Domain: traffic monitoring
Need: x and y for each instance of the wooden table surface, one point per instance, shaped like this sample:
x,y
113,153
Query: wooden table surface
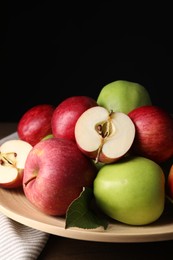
x,y
64,248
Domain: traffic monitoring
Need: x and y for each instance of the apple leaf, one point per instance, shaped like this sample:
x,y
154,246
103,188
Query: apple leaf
x,y
80,213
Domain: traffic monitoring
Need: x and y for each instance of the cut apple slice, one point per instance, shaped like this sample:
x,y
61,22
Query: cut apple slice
x,y
104,136
13,154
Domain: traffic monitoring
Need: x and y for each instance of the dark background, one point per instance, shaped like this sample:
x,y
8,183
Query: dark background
x,y
51,51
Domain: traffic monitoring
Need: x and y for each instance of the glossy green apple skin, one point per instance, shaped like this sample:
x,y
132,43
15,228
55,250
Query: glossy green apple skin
x,y
123,96
131,191
47,137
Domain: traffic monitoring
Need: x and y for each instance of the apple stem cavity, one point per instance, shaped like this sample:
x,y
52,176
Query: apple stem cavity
x,y
29,180
105,129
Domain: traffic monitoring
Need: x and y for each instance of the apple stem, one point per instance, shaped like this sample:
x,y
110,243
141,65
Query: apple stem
x,y
104,129
32,178
99,151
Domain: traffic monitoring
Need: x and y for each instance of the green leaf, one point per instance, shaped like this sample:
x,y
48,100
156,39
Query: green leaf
x,y
81,214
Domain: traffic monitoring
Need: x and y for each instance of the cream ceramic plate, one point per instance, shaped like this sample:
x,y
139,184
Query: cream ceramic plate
x,y
15,205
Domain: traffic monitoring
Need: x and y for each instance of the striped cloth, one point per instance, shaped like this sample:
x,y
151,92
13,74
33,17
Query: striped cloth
x,y
19,242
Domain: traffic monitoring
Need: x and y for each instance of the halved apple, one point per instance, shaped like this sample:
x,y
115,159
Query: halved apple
x,y
104,136
13,154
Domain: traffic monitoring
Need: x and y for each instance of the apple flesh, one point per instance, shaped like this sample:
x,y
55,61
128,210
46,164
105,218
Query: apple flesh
x,y
104,137
123,96
131,191
66,114
55,173
154,133
35,123
13,154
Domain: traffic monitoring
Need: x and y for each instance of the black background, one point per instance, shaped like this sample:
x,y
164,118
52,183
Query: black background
x,y
52,50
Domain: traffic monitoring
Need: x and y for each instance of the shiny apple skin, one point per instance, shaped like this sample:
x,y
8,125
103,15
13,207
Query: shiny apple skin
x,y
55,174
154,133
66,114
35,123
131,191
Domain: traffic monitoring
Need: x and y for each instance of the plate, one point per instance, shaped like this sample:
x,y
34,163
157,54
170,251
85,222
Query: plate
x,y
15,205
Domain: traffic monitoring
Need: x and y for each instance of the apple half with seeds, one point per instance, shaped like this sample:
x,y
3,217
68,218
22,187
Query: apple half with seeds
x,y
13,154
104,136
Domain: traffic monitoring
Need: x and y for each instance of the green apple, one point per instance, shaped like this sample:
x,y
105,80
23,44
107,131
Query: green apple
x,y
131,191
47,137
123,96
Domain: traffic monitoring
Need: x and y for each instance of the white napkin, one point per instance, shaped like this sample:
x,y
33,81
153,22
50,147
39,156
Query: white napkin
x,y
17,241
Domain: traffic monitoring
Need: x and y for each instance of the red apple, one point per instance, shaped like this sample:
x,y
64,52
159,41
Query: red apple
x,y
13,154
154,133
66,114
170,182
55,174
104,136
35,123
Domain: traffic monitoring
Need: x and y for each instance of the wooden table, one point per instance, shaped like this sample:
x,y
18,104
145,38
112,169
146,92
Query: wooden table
x,y
67,248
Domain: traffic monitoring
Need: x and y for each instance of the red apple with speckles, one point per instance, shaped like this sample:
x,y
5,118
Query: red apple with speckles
x,y
55,173
154,133
66,114
35,123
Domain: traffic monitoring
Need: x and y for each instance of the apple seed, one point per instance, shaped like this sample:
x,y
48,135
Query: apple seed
x,y
8,159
